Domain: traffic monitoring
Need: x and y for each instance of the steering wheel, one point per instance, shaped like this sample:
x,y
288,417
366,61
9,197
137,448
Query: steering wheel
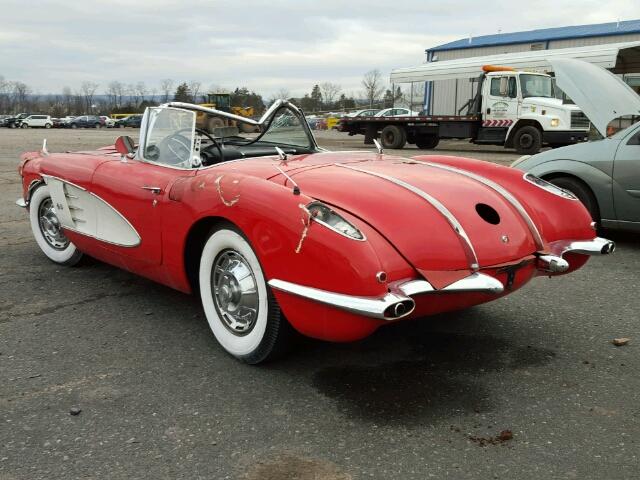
x,y
178,145
214,142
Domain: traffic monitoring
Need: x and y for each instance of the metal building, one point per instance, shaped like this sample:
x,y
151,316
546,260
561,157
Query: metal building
x,y
442,97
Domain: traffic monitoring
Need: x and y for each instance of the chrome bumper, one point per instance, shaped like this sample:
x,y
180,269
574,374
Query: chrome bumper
x,y
395,304
21,203
555,262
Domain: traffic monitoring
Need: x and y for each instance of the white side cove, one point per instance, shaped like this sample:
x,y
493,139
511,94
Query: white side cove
x,y
86,213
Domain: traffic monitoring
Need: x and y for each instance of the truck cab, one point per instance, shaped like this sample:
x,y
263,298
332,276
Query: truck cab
x,y
522,110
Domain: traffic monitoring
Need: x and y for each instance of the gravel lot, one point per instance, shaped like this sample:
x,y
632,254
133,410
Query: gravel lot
x,y
427,399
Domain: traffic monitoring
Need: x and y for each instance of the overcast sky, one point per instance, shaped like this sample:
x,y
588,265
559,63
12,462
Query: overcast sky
x,y
264,45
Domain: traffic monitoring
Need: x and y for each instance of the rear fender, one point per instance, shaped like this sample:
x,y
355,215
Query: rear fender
x,y
556,218
288,245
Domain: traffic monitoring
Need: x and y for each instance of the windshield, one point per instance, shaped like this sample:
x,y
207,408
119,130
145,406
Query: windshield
x,y
536,86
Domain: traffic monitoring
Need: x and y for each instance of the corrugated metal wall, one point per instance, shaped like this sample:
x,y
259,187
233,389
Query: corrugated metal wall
x,y
444,101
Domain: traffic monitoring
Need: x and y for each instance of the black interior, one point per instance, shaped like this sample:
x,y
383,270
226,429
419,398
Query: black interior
x,y
222,152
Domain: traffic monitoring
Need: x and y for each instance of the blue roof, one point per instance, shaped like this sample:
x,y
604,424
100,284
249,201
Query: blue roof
x,y
544,34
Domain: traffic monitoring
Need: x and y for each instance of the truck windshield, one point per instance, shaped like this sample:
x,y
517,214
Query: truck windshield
x,y
536,86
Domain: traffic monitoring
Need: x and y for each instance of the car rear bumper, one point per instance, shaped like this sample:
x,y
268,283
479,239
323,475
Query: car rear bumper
x,y
397,303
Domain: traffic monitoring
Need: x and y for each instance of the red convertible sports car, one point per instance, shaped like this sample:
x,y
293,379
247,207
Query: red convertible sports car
x,y
277,235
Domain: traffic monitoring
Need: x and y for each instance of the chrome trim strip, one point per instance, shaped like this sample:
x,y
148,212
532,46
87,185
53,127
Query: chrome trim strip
x,y
21,203
45,177
515,203
390,306
476,282
416,287
453,221
597,246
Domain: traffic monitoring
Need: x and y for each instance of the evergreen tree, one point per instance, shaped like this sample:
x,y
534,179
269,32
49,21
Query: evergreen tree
x,y
316,98
183,94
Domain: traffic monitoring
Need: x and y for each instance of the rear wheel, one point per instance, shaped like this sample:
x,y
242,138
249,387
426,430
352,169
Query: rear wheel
x,y
47,231
393,137
527,140
242,312
73,125
427,142
47,125
582,191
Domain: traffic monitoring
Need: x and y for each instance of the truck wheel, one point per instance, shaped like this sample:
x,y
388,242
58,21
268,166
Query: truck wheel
x,y
427,142
582,191
527,140
393,137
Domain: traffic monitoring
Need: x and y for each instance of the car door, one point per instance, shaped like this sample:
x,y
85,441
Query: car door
x,y
501,106
626,176
138,188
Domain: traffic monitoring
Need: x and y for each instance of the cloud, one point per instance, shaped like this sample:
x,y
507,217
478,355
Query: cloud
x,y
264,45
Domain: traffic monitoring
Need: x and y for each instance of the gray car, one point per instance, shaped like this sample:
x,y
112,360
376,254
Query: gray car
x,y
604,174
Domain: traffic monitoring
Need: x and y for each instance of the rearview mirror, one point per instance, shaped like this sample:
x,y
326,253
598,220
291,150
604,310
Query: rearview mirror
x,y
504,85
124,145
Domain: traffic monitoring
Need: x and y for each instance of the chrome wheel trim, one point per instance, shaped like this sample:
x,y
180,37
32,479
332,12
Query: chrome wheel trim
x,y
50,225
235,292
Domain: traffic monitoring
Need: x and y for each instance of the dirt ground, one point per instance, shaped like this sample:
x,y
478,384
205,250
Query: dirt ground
x,y
527,387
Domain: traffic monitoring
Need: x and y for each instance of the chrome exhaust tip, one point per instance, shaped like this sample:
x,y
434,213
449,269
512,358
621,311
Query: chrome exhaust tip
x,y
608,248
399,309
552,263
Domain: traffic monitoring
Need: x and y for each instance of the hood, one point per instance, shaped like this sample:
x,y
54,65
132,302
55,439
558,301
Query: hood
x,y
402,200
550,102
600,94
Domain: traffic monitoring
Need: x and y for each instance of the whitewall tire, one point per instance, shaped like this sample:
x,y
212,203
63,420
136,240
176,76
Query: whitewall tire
x,y
46,229
239,305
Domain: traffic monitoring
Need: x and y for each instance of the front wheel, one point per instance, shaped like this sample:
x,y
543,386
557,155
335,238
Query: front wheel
x,y
47,230
24,125
241,310
527,140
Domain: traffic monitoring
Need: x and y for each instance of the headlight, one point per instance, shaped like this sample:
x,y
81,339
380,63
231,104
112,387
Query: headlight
x,y
325,216
549,187
555,122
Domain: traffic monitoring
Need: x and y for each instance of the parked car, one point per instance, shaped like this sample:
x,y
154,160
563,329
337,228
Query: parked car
x,y
36,121
3,120
396,112
107,122
248,221
14,122
132,121
85,121
369,112
604,174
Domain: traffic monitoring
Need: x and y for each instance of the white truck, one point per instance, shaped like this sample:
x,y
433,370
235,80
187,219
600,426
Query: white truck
x,y
517,109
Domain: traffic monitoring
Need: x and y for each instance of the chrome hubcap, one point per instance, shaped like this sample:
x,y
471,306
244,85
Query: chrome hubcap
x,y
235,292
50,225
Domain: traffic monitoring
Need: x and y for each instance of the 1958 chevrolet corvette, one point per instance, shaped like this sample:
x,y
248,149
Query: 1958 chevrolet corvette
x,y
278,235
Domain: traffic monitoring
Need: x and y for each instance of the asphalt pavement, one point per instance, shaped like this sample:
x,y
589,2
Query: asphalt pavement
x,y
104,374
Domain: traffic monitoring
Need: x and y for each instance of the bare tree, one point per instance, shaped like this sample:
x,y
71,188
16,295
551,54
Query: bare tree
x,y
281,94
152,94
329,93
141,92
373,88
88,91
20,92
195,87
166,87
